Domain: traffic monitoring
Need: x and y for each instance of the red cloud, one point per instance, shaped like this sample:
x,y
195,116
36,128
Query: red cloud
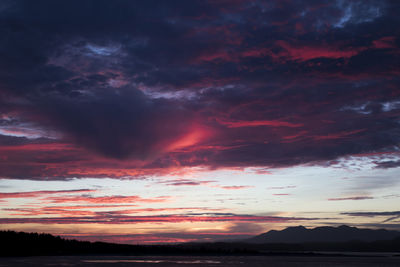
x,y
385,42
338,135
304,52
272,123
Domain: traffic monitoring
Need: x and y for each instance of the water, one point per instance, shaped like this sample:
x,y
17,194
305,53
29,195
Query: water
x,y
183,261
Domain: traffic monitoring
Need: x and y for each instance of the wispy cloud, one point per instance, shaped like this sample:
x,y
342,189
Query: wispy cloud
x,y
281,187
392,215
93,210
44,193
116,218
372,213
350,198
185,182
234,187
107,199
192,182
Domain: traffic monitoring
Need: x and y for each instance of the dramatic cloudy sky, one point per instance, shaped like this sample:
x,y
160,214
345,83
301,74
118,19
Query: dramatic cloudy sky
x,y
164,121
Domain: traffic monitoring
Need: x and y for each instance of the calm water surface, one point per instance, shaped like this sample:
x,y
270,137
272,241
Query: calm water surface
x,y
183,261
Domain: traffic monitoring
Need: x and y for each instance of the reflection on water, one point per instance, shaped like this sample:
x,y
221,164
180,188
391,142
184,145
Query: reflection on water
x,y
117,261
155,261
208,261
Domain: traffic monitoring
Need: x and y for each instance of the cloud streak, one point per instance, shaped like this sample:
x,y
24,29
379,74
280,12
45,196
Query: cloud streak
x,y
44,193
106,199
350,198
115,218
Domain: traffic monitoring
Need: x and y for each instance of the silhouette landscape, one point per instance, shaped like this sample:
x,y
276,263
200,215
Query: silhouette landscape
x,y
182,132
292,241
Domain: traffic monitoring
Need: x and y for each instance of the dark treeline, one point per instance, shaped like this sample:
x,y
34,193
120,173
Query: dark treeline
x,y
30,244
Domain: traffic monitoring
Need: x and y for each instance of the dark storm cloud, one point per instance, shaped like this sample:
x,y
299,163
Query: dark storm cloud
x,y
388,164
187,83
118,123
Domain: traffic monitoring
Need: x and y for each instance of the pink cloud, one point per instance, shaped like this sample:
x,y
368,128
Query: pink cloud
x,y
33,194
108,199
115,218
185,182
235,187
81,210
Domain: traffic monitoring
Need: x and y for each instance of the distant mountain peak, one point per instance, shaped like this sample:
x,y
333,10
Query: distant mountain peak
x,y
297,227
343,233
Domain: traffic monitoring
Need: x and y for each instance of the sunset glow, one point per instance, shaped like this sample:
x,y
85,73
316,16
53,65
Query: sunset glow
x,y
174,121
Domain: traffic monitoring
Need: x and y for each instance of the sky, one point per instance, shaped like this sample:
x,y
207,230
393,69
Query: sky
x,y
174,121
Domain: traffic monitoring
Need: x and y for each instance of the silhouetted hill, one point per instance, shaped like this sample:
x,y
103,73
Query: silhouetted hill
x,y
33,244
26,244
300,234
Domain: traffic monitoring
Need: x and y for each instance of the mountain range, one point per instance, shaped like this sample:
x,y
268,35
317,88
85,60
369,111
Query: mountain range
x,y
344,233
